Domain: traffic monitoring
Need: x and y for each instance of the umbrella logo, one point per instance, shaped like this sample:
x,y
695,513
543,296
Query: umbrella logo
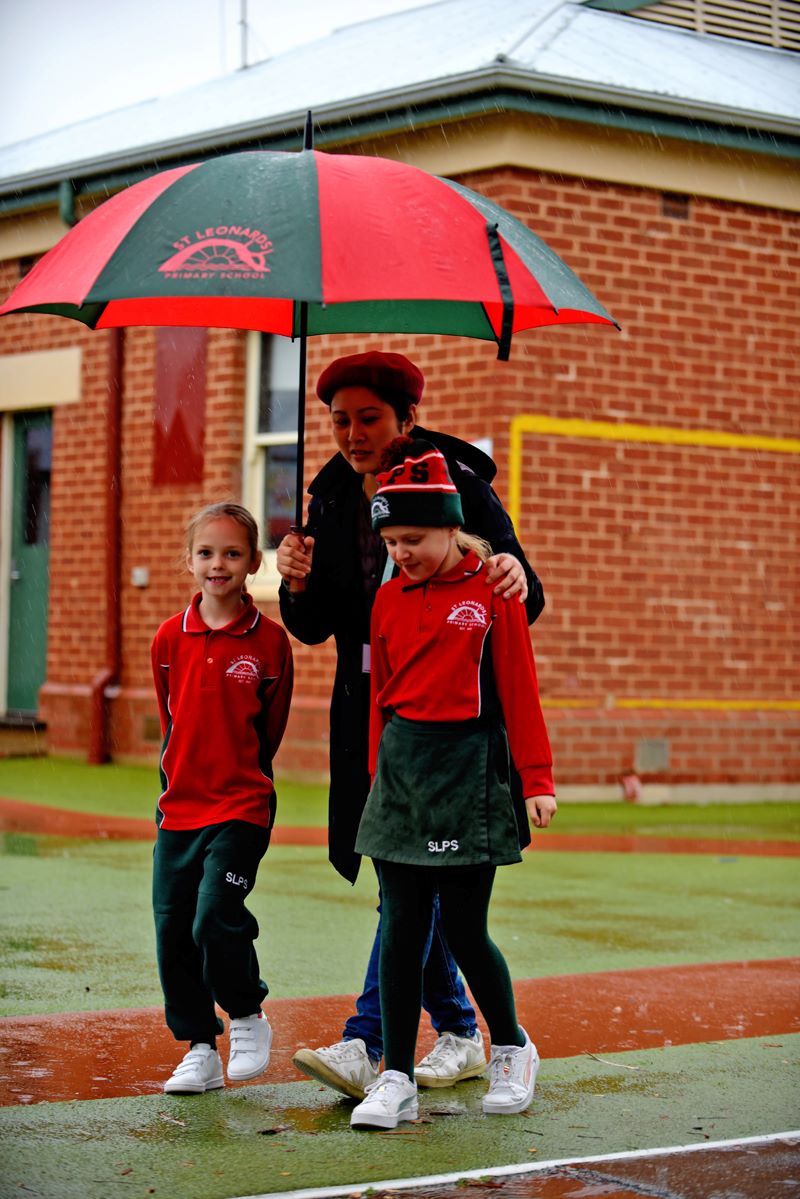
x,y
224,252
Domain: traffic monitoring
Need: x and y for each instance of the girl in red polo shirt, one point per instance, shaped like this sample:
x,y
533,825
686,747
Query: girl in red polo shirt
x,y
453,688
223,679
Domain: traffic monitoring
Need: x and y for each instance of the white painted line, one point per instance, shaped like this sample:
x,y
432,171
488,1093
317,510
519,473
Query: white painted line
x,y
407,1184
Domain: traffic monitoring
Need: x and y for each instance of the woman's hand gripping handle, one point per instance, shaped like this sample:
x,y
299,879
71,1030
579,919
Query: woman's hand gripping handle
x,y
294,559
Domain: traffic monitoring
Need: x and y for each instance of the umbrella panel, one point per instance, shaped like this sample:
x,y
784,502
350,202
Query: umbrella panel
x,y
237,241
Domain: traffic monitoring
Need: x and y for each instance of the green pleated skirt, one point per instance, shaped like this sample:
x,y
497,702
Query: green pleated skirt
x,y
441,796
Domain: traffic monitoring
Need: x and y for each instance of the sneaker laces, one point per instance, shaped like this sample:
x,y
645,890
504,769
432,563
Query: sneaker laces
x,y
500,1067
342,1054
445,1043
388,1081
341,1049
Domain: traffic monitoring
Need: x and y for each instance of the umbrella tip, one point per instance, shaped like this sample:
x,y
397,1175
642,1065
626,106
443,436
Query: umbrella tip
x,y
308,139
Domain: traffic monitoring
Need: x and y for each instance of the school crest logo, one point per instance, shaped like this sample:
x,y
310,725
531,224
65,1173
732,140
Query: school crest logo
x,y
469,615
380,507
245,669
219,252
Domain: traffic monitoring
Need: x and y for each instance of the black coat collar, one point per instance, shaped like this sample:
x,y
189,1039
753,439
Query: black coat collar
x,y
462,459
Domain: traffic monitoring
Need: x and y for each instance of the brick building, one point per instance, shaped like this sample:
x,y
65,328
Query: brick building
x,y
652,474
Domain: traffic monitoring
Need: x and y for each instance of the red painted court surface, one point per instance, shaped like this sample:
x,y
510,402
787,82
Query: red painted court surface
x,y
600,1013
98,1055
756,1168
20,817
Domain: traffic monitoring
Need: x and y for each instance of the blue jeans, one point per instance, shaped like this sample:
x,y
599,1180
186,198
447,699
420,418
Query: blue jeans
x,y
443,994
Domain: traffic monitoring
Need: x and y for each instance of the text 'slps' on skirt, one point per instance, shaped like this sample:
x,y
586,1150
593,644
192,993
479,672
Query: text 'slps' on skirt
x,y
441,796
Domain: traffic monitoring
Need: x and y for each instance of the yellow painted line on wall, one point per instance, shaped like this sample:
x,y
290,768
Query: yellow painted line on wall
x,y
684,705
553,426
714,705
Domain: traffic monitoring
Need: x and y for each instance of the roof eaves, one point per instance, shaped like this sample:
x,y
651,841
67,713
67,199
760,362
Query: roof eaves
x,y
659,103
501,85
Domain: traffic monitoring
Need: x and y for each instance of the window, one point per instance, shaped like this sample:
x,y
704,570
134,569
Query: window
x,y
38,457
273,365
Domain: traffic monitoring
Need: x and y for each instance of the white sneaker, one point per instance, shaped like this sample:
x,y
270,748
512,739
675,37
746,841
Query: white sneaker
x,y
512,1078
452,1059
251,1041
390,1099
200,1071
345,1066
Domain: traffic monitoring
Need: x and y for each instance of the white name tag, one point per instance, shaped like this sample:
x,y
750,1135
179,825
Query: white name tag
x,y
365,659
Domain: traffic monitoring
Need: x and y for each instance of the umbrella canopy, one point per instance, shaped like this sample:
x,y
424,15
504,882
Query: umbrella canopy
x,y
306,243
363,244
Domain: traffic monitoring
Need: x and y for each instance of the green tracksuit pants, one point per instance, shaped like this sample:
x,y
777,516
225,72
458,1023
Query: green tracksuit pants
x,y
204,933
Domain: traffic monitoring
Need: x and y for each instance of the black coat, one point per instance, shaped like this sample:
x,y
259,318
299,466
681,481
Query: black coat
x,y
334,604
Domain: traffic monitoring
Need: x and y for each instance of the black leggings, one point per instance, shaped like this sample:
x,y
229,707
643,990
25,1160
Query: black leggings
x,y
407,896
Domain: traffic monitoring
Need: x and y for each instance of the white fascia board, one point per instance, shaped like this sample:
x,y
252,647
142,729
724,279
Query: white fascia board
x,y
444,89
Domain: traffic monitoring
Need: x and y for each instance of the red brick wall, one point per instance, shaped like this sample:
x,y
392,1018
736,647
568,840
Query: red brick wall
x,y
77,604
670,572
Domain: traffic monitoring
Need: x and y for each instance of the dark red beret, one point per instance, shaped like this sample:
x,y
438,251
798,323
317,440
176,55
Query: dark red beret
x,y
374,369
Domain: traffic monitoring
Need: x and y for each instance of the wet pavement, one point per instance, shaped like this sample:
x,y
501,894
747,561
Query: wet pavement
x,y
593,1128
681,1055
768,1170
100,1054
17,816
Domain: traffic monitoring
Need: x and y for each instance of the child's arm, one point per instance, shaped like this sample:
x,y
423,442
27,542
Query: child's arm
x,y
518,691
280,697
379,674
160,666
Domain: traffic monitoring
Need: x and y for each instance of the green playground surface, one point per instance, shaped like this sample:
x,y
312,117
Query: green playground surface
x,y
76,936
264,1139
131,791
76,928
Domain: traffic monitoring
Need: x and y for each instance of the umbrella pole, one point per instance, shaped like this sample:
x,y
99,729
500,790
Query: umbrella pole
x,y
301,416
308,144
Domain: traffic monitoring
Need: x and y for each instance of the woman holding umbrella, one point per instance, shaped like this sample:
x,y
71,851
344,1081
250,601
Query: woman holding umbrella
x,y
330,576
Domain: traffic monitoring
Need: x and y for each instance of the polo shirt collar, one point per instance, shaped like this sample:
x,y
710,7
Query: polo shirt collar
x,y
469,565
247,619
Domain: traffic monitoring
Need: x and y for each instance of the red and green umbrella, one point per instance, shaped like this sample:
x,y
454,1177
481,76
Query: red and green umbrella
x,y
306,243
371,246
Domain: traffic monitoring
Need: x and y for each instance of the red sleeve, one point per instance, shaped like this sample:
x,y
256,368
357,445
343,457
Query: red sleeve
x,y
280,696
515,676
379,676
159,659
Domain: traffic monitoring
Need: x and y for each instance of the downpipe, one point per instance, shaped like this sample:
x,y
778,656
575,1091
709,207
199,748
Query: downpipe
x,y
105,684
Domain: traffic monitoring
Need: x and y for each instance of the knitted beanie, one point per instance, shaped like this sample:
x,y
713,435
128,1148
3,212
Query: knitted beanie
x,y
415,488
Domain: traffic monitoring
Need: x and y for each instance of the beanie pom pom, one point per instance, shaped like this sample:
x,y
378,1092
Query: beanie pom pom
x,y
396,452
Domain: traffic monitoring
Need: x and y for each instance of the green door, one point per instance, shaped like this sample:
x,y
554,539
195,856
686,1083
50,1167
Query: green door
x,y
30,537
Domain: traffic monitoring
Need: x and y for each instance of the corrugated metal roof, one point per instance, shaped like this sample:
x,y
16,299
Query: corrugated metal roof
x,y
551,46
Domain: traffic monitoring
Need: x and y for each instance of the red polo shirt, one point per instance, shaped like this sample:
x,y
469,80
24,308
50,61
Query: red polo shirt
x,y
428,641
223,697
